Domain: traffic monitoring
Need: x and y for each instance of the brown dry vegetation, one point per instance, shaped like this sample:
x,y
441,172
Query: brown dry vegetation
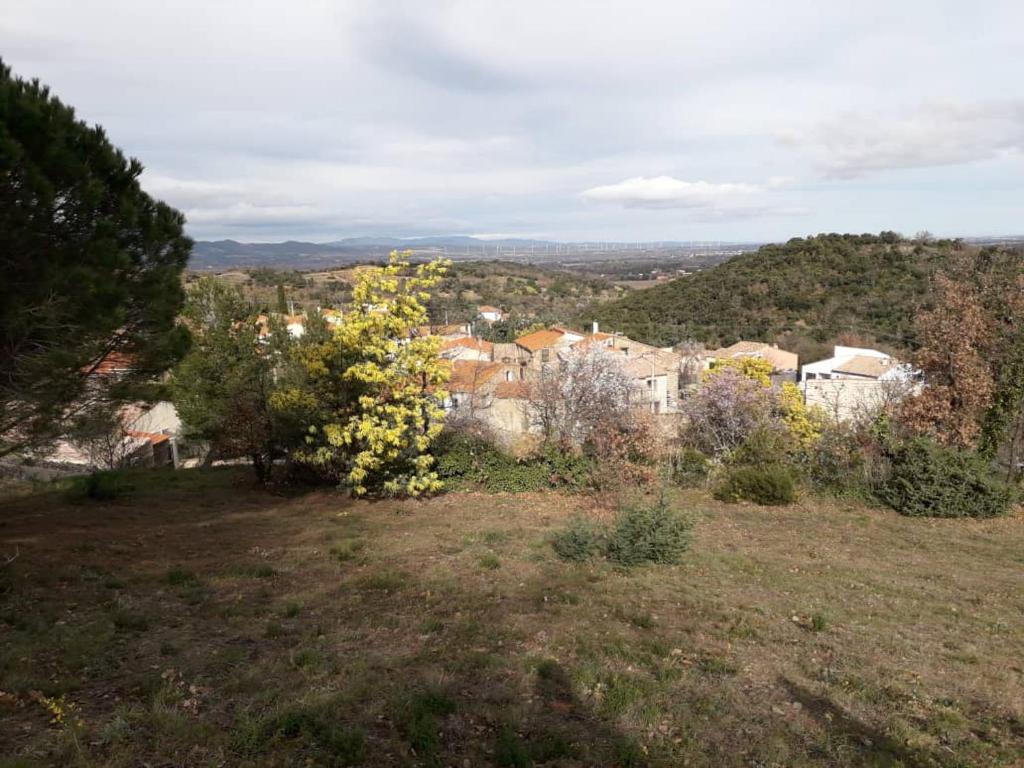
x,y
202,621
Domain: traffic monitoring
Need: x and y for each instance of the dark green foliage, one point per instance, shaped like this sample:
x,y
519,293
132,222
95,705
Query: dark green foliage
x,y
689,468
317,723
421,720
839,465
282,299
468,462
579,541
90,265
931,480
801,294
770,486
510,751
222,388
649,532
100,486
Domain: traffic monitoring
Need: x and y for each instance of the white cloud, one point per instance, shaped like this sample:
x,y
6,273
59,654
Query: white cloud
x,y
669,192
855,144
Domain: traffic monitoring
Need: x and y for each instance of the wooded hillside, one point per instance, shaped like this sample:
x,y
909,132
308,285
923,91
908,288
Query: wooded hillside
x,y
803,294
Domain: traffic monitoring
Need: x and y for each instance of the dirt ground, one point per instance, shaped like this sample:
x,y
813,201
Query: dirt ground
x,y
203,621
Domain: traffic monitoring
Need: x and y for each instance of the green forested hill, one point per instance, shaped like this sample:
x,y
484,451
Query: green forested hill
x,y
803,294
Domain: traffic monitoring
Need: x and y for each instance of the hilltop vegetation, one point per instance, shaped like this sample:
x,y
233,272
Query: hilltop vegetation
x,y
803,294
523,291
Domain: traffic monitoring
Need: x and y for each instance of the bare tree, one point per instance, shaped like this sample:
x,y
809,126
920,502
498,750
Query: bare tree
x,y
584,390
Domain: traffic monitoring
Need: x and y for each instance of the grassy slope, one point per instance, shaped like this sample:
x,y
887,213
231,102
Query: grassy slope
x,y
807,291
207,622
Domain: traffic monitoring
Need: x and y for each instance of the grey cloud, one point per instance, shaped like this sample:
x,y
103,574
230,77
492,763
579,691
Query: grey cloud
x,y
855,144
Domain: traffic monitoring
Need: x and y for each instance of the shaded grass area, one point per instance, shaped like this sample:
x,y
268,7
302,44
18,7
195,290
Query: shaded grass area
x,y
203,621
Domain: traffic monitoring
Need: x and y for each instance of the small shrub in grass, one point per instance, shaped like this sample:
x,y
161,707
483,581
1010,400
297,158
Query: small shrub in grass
x,y
179,577
689,468
510,750
316,721
649,532
421,719
490,561
579,541
770,486
99,486
932,480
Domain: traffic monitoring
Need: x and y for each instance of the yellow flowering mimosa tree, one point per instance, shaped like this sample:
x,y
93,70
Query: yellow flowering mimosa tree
x,y
374,389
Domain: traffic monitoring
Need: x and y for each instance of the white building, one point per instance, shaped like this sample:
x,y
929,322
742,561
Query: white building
x,y
857,363
490,314
856,382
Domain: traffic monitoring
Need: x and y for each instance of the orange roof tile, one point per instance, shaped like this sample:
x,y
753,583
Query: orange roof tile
x,y
592,338
469,343
470,375
111,363
539,339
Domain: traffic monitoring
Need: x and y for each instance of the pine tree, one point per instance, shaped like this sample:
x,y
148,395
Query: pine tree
x,y
90,265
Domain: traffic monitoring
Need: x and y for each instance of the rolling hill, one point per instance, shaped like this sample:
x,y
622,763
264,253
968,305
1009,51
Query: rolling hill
x,y
803,294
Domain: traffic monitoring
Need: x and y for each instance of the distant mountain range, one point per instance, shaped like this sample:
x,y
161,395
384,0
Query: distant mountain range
x,y
295,254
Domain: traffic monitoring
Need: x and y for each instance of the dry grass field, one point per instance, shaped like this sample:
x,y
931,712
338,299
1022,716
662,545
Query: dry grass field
x,y
203,621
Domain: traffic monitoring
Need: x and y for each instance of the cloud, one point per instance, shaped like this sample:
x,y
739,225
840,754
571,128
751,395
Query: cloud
x,y
324,118
668,192
855,144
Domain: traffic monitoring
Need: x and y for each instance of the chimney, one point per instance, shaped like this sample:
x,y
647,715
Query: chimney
x,y
594,327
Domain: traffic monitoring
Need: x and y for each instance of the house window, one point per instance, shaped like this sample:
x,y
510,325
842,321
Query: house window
x,y
545,355
508,375
522,371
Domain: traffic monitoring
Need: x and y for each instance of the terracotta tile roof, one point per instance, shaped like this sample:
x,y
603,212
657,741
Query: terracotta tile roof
x,y
539,339
150,437
592,338
488,308
780,358
471,375
469,342
866,366
112,363
513,390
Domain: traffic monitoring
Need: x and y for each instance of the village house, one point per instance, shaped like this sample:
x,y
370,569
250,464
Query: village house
x,y
856,381
490,314
446,331
489,395
785,365
544,345
467,348
655,371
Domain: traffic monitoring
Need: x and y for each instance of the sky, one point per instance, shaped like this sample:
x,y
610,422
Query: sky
x,y
561,119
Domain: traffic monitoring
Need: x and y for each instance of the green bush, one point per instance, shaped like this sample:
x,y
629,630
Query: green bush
x,y
99,486
770,486
837,465
649,532
931,480
581,540
689,468
468,462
